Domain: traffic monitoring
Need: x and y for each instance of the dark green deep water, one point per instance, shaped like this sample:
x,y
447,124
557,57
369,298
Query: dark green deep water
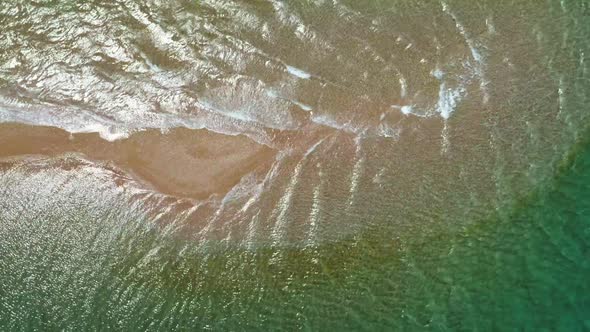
x,y
85,259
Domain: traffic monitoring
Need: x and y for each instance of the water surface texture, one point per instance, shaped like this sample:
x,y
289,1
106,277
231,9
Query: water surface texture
x,y
285,165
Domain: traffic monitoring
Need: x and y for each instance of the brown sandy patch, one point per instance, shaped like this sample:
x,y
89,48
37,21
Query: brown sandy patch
x,y
182,162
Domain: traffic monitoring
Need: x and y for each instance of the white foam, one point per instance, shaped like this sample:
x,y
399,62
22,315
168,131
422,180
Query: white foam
x,y
349,127
312,149
161,38
447,100
447,97
248,203
303,106
409,110
248,101
298,72
406,109
75,120
84,123
107,133
325,120
274,94
233,114
403,87
437,73
475,53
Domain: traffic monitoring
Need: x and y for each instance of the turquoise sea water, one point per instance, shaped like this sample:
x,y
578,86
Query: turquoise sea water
x,y
470,214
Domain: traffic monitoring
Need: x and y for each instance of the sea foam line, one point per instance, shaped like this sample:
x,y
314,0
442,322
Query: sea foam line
x,y
475,53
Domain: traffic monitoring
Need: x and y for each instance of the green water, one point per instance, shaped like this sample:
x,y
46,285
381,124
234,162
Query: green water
x,y
527,270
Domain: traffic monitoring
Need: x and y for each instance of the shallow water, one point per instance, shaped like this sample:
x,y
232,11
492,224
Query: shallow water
x,y
429,165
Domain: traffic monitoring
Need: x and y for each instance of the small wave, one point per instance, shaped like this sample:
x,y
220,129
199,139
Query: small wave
x,y
298,72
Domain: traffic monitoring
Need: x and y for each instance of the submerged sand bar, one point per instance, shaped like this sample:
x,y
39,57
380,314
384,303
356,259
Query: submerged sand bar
x,y
182,162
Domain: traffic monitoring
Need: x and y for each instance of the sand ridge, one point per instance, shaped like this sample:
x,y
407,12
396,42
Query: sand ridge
x,y
182,162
